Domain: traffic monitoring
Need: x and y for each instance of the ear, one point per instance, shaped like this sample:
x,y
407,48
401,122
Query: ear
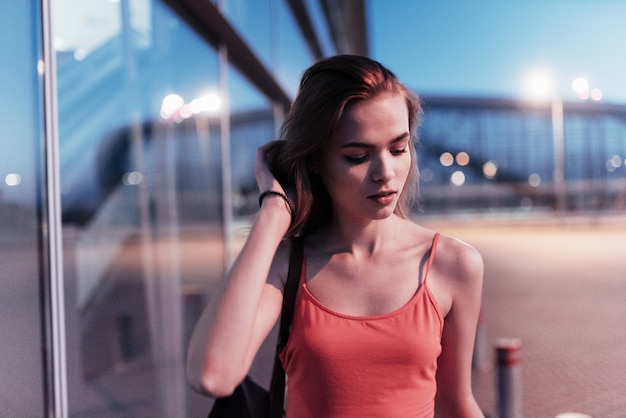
x,y
313,166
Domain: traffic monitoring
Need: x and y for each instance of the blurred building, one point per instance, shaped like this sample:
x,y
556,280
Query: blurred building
x,y
126,179
490,156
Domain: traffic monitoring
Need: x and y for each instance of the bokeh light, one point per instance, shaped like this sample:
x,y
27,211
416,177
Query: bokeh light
x,y
12,179
457,178
534,180
614,163
446,159
209,103
580,85
596,94
490,169
462,158
132,178
170,105
426,175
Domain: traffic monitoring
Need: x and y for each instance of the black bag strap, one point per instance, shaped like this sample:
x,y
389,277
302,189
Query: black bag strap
x,y
277,386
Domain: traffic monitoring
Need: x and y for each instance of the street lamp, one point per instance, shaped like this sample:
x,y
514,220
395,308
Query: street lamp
x,y
540,85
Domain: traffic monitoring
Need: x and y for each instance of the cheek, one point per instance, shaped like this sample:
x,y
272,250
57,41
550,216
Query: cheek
x,y
343,177
407,169
403,171
409,163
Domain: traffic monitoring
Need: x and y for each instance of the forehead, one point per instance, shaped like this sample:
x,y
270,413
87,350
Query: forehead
x,y
381,118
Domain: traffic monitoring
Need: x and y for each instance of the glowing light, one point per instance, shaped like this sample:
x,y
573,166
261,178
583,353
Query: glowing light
x,y
539,85
580,85
534,180
446,159
170,105
426,174
457,178
610,167
195,106
596,94
462,158
209,103
41,67
12,179
490,169
615,161
80,54
185,111
132,178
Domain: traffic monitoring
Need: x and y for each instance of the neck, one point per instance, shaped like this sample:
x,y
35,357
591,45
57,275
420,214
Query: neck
x,y
362,237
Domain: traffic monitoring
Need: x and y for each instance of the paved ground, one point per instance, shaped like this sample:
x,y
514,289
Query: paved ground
x,y
559,286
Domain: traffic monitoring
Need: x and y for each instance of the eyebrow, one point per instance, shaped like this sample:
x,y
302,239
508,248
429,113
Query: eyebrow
x,y
356,144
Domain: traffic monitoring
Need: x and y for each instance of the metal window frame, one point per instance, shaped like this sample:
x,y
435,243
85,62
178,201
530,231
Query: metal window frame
x,y
52,241
206,19
346,20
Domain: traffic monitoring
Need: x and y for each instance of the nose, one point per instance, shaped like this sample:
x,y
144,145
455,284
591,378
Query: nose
x,y
382,169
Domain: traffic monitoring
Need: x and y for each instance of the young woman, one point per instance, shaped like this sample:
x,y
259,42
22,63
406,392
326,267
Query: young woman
x,y
387,310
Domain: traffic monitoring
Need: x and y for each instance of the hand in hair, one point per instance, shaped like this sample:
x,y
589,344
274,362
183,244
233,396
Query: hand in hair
x,y
264,177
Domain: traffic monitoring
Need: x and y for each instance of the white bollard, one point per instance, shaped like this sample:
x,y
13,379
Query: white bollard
x,y
509,378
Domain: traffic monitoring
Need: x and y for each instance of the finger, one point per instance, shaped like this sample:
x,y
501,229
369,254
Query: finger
x,y
264,176
270,146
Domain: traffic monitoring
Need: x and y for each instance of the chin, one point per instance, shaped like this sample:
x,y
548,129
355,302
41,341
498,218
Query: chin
x,y
384,213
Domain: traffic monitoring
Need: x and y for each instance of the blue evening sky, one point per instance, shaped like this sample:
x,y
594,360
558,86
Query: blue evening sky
x,y
488,48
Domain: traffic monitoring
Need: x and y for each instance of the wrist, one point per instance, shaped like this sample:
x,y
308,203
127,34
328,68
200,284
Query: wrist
x,y
274,215
272,195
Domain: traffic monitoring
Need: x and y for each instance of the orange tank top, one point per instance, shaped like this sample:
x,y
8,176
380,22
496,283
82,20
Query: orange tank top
x,y
374,366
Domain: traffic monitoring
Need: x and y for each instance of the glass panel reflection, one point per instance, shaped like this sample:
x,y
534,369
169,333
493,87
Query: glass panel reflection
x,y
23,377
271,30
253,124
141,174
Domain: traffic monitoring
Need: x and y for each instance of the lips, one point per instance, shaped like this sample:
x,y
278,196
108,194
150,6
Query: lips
x,y
383,197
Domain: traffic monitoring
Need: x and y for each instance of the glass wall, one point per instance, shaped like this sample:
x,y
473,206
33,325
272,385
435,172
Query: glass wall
x,y
142,136
142,210
157,137
22,210
271,30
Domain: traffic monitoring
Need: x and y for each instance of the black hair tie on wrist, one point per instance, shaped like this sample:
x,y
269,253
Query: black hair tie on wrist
x,y
275,193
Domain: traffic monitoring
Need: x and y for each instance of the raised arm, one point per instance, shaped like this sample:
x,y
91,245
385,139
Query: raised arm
x,y
247,302
461,268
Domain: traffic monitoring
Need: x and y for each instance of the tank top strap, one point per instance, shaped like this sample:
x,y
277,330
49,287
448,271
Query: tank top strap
x,y
303,271
431,256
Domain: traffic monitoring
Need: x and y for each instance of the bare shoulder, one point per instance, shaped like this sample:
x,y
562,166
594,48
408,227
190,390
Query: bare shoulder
x,y
458,260
457,273
455,259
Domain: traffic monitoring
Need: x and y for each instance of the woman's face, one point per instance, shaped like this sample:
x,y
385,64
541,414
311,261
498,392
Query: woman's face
x,y
367,160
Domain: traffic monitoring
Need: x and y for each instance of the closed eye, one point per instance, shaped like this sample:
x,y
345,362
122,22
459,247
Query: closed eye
x,y
399,151
363,158
355,160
